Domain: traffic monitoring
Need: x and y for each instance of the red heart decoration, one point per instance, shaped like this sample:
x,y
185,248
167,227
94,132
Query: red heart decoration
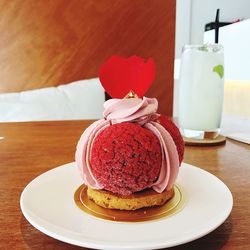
x,y
120,75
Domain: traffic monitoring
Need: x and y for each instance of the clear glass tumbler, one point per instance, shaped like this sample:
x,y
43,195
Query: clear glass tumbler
x,y
201,89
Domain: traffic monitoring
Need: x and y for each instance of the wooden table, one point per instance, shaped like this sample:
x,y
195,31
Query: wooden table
x,y
29,149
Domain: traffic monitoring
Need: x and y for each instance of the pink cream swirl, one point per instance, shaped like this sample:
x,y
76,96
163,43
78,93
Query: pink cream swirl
x,y
136,110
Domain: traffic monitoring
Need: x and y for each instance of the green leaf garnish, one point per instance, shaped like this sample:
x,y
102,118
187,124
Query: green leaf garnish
x,y
219,69
204,47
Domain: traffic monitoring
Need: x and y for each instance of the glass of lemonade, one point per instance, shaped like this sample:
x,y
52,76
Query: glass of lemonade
x,y
201,88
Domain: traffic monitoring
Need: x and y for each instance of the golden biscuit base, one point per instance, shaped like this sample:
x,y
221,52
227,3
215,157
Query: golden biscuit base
x,y
145,198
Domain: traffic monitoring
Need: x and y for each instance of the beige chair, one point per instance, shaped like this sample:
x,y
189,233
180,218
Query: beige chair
x,y
237,98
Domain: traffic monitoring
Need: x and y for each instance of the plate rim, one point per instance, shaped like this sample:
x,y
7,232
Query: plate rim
x,y
99,243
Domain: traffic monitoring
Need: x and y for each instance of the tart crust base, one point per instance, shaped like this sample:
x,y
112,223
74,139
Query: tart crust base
x,y
142,199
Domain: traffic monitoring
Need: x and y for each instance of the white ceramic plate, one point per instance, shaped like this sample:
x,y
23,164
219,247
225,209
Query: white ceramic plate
x,y
48,204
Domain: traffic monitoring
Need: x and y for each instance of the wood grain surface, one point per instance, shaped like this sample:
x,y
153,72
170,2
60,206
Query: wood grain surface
x,y
29,149
47,43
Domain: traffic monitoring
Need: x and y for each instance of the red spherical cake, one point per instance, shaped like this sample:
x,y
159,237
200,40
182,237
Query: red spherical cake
x,y
126,158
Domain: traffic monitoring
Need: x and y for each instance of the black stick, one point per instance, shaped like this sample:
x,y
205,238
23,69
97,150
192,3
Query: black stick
x,y
217,24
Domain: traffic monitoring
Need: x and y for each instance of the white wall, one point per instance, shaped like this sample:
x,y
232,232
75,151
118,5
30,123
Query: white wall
x,y
183,18
192,15
204,12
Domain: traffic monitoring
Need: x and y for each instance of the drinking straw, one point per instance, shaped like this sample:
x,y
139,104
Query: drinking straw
x,y
217,23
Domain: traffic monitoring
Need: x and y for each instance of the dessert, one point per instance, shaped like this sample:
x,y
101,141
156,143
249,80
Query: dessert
x,y
130,159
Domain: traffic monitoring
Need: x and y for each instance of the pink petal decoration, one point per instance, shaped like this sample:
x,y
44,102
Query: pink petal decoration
x,y
120,75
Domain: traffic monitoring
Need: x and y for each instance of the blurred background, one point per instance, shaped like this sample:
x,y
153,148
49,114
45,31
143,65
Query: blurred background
x,y
50,49
194,25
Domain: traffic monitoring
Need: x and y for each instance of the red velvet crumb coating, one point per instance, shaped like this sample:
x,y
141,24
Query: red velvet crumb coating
x,y
126,158
175,134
